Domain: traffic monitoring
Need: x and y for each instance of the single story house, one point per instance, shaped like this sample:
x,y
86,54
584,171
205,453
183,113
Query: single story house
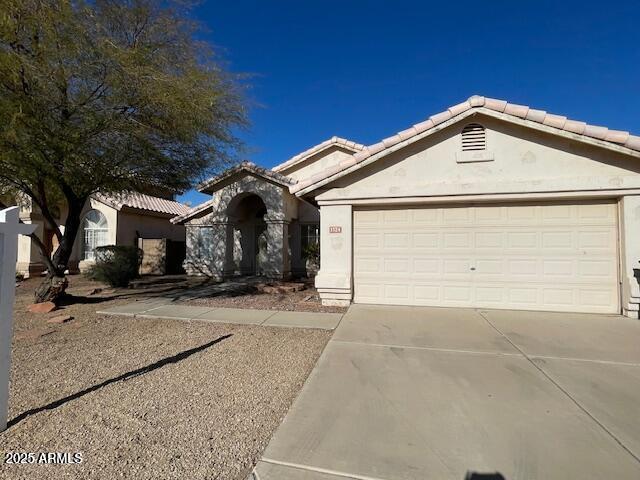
x,y
487,204
117,219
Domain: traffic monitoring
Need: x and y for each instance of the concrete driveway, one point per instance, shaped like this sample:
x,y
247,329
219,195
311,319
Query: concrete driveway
x,y
421,393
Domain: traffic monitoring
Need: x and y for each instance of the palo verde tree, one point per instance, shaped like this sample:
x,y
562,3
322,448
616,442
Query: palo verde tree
x,y
107,96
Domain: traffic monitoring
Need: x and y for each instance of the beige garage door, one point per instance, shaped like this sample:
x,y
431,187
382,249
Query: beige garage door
x,y
560,256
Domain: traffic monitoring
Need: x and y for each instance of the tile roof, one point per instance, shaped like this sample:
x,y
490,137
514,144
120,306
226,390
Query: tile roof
x,y
193,211
341,142
250,167
559,122
141,201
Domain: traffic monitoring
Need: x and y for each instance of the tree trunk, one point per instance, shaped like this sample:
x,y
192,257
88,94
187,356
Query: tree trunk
x,y
51,289
55,284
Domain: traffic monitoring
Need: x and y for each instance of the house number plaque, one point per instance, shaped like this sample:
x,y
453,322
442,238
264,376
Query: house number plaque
x,y
335,229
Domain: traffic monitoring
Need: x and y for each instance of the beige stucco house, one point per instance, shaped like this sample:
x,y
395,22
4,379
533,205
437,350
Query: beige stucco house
x,y
487,204
107,220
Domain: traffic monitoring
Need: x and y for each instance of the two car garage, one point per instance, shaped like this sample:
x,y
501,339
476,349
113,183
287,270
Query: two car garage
x,y
560,256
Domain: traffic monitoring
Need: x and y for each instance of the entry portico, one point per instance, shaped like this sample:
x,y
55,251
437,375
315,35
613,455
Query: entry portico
x,y
244,228
487,204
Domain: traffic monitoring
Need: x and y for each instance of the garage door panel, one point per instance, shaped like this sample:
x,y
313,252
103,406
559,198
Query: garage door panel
x,y
426,294
423,240
457,216
543,257
490,266
427,266
456,240
599,240
397,265
526,215
428,217
596,213
364,265
489,239
490,295
602,270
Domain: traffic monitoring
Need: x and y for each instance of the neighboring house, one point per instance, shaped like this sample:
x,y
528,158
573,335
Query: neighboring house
x,y
106,220
487,204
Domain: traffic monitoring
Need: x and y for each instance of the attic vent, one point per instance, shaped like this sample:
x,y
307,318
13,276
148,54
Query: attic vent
x,y
473,138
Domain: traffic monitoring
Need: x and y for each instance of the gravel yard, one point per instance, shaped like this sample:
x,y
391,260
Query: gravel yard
x,y
306,300
148,398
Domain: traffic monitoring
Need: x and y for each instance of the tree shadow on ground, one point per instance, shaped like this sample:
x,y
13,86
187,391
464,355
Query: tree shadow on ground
x,y
125,376
152,291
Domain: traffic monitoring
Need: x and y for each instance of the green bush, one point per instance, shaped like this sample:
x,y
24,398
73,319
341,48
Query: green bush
x,y
312,252
116,265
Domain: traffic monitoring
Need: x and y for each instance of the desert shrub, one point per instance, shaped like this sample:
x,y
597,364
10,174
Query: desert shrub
x,y
312,252
116,265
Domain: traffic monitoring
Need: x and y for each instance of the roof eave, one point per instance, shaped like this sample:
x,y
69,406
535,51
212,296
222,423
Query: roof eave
x,y
316,149
208,187
455,119
180,219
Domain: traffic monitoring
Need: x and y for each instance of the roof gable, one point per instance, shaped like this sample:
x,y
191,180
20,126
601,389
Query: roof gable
x,y
215,183
616,140
332,142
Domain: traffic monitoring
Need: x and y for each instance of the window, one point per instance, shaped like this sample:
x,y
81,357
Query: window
x,y
95,233
473,138
310,235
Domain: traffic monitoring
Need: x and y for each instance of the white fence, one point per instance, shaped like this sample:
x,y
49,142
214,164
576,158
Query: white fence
x,y
10,228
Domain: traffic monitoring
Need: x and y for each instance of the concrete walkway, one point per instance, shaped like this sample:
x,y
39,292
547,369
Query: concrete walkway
x,y
405,393
164,308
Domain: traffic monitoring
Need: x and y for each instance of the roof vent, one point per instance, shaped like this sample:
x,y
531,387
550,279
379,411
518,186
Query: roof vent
x,y
473,138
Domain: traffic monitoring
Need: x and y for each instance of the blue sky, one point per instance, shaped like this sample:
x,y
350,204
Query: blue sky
x,y
367,69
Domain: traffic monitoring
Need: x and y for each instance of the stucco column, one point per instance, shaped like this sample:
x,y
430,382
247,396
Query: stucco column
x,y
29,259
278,261
207,249
229,262
335,279
630,253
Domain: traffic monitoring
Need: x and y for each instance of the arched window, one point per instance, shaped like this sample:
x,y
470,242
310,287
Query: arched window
x,y
95,233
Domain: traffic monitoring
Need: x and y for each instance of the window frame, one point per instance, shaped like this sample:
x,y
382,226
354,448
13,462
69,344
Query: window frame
x,y
305,236
94,234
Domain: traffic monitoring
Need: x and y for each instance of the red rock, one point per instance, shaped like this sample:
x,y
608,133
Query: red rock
x,y
44,307
60,319
280,287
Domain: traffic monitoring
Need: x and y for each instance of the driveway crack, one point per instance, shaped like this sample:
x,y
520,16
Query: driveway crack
x,y
559,387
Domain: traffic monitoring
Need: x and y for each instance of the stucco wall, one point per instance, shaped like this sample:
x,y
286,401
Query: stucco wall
x,y
111,214
526,164
318,162
334,280
630,253
146,226
212,243
524,161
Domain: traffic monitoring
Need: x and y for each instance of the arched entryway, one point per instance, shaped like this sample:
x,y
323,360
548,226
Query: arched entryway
x,y
246,214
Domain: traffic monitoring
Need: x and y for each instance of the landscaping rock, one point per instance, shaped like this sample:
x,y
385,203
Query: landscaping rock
x,y
60,319
280,287
95,291
44,307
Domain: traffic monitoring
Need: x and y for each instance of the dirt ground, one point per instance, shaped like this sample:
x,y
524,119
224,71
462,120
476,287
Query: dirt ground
x,y
147,398
306,300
